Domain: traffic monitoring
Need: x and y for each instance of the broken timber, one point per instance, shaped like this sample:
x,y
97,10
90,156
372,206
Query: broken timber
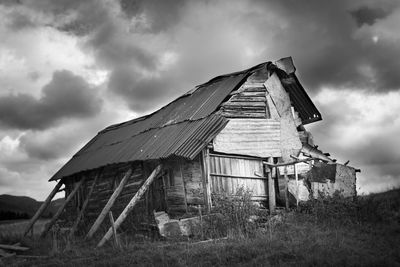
x,y
43,207
109,205
271,165
12,247
131,204
82,211
59,211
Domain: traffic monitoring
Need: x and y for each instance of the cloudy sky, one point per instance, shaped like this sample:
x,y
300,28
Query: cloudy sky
x,y
70,68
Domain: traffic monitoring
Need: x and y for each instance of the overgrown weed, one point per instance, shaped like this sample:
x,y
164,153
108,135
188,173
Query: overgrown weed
x,y
338,210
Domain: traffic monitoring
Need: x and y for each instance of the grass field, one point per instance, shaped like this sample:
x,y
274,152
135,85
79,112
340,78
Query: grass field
x,y
331,232
12,230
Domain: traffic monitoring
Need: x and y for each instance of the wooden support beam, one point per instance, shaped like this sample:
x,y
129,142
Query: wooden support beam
x,y
43,207
131,204
114,230
286,188
206,179
109,205
297,185
59,211
271,190
82,211
13,247
60,190
269,164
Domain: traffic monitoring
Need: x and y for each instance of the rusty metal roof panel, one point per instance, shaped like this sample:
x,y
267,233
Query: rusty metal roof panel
x,y
300,99
185,139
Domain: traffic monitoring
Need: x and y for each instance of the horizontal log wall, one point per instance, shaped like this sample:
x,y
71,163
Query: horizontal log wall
x,y
185,192
249,101
105,186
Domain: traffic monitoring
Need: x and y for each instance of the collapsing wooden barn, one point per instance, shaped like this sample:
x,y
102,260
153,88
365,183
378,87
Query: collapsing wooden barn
x,y
244,129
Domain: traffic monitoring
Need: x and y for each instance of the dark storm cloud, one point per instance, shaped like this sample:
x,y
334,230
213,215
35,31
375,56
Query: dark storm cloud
x,y
372,145
161,15
52,145
324,39
18,21
368,15
65,96
10,2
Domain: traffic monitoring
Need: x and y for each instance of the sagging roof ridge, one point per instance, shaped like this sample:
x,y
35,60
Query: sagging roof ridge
x,y
79,153
190,92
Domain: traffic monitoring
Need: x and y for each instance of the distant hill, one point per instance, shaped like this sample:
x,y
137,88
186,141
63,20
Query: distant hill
x,y
25,205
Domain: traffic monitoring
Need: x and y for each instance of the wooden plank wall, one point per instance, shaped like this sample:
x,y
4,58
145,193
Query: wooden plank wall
x,y
289,137
185,192
106,184
228,174
252,137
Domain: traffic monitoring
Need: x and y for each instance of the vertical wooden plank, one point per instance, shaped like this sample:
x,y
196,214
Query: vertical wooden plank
x,y
226,166
231,180
271,189
297,185
183,184
42,207
286,188
165,190
208,181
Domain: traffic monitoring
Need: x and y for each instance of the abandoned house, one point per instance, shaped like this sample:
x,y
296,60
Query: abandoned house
x,y
239,130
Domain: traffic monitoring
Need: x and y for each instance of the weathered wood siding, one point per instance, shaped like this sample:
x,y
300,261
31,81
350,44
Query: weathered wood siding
x,y
249,132
249,101
252,137
108,181
228,174
184,186
290,143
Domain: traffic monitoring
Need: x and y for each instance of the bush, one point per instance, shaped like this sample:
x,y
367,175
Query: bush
x,y
233,215
358,210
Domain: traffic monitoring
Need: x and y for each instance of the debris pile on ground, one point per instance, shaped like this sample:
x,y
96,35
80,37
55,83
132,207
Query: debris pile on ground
x,y
11,250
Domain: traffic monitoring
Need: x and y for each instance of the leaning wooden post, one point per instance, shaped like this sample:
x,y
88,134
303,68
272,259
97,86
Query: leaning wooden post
x,y
271,188
131,204
114,230
286,189
42,207
109,205
82,211
59,211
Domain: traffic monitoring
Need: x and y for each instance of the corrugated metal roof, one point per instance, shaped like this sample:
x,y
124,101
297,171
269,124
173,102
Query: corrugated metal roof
x,y
184,139
199,104
182,128
300,99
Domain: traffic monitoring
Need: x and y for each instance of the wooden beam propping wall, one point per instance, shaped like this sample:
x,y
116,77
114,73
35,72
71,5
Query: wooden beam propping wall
x,y
109,205
59,211
43,207
131,204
